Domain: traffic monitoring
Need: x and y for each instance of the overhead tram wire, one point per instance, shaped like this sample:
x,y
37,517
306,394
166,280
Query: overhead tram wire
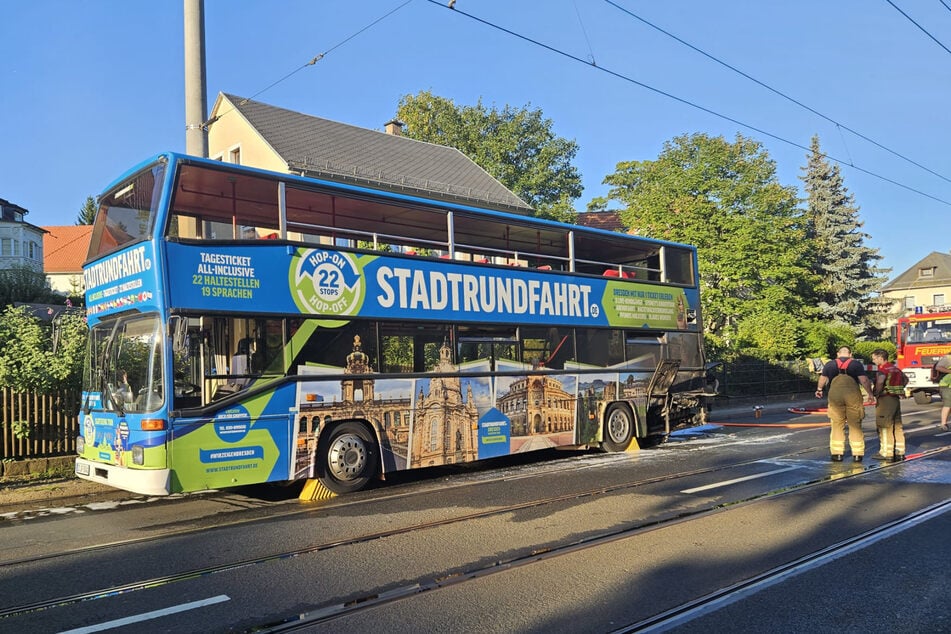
x,y
312,62
736,70
923,29
686,102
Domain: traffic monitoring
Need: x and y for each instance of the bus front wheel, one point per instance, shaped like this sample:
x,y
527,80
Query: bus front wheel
x,y
921,397
348,459
618,428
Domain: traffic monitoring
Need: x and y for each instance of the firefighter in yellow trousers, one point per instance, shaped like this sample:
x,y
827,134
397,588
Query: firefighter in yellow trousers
x,y
889,388
843,376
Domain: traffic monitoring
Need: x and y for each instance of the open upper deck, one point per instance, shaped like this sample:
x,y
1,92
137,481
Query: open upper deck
x,y
206,200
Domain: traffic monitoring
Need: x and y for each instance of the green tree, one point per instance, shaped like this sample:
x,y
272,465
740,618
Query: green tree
x,y
849,280
87,213
27,356
515,145
724,198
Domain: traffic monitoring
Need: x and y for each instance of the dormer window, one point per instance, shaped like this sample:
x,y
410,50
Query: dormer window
x,y
926,272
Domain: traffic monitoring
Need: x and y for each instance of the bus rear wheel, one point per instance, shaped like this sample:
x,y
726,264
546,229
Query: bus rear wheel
x,y
618,428
347,461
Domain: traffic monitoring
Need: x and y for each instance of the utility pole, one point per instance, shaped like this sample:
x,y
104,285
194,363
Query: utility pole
x,y
196,103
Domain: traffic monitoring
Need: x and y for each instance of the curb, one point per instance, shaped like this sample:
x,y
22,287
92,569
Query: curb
x,y
36,467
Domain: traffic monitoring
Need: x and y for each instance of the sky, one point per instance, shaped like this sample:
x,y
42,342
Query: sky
x,y
91,88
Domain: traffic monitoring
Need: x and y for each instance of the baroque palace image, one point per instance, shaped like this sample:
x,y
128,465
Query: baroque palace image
x,y
538,405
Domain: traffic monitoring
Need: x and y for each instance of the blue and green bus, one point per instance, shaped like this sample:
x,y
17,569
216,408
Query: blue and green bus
x,y
249,326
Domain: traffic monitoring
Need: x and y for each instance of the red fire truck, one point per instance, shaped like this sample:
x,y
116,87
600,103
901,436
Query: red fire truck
x,y
921,339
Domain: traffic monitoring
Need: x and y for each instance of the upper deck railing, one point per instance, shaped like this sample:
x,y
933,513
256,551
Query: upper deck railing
x,y
219,202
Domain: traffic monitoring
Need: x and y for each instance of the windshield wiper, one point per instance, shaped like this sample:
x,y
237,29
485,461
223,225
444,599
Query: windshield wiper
x,y
86,408
104,386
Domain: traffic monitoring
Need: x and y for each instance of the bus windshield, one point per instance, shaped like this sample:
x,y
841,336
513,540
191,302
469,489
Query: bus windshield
x,y
127,213
129,355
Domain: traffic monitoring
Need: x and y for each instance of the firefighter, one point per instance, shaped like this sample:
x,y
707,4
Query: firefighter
x,y
844,375
889,388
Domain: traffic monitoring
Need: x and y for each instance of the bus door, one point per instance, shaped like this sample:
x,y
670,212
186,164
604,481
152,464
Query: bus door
x,y
225,431
215,357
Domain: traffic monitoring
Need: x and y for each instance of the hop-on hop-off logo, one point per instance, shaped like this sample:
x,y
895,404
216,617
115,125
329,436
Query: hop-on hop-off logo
x,y
326,282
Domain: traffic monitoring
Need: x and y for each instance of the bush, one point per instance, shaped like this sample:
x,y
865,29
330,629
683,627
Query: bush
x,y
824,339
24,284
863,349
27,359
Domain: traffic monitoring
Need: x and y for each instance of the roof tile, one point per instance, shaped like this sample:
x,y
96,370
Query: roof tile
x,y
64,248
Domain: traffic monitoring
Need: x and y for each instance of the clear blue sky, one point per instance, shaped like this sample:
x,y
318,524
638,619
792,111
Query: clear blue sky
x,y
90,88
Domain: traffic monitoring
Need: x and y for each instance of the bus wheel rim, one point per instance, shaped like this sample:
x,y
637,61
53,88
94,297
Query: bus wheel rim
x,y
618,426
347,458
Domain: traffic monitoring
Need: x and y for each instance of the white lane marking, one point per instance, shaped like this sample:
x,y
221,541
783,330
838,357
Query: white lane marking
x,y
108,625
715,485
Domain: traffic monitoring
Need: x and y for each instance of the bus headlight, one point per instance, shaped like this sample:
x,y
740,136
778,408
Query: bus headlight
x,y
138,455
80,445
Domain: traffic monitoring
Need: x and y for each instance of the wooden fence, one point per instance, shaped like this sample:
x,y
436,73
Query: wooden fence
x,y
36,425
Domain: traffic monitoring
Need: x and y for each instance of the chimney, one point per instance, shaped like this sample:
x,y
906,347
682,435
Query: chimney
x,y
394,127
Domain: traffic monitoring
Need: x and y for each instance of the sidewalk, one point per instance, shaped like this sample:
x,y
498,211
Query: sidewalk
x,y
48,481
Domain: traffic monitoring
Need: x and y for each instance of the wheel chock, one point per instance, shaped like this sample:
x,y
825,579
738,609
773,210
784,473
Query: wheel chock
x,y
633,447
314,491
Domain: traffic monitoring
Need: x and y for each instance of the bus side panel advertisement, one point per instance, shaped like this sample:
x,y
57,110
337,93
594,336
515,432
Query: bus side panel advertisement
x,y
121,281
246,443
328,282
453,417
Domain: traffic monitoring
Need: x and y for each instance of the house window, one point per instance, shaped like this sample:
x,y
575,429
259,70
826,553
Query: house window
x,y
938,299
926,272
5,247
236,156
909,302
32,250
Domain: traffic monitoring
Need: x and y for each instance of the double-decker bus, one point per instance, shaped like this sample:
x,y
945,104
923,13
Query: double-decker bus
x,y
920,340
249,326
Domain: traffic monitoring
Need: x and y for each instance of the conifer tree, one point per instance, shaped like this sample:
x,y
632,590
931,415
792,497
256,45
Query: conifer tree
x,y
848,276
87,213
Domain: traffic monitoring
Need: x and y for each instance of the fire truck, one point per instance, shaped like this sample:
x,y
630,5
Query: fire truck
x,y
921,339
